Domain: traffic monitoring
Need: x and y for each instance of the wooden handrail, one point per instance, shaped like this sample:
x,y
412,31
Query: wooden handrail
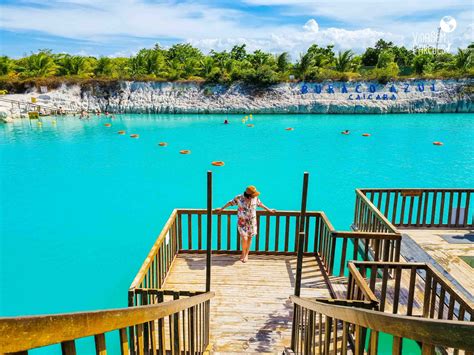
x,y
326,220
23,333
432,273
202,211
452,334
367,235
375,210
423,207
414,188
361,283
392,264
159,241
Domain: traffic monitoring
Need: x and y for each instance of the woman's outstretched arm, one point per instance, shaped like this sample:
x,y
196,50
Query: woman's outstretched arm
x,y
230,203
271,210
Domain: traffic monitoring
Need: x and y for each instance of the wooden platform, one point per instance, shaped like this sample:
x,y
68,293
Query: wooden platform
x,y
251,311
445,254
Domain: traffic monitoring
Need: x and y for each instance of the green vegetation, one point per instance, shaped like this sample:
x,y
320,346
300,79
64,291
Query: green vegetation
x,y
384,62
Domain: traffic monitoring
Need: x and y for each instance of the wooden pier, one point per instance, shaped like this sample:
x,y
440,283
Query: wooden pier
x,y
306,289
251,310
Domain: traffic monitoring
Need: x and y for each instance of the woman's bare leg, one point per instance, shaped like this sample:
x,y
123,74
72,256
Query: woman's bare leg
x,y
243,242
247,249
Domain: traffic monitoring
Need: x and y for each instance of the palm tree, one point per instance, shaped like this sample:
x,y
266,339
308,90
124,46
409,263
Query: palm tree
x,y
283,62
465,58
39,64
70,65
6,65
304,66
344,60
207,64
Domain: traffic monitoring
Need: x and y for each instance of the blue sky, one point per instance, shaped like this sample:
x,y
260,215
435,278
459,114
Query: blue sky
x,y
122,27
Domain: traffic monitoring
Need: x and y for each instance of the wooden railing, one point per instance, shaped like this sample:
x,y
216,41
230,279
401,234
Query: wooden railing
x,y
188,330
419,208
415,289
365,246
157,264
368,218
277,234
331,328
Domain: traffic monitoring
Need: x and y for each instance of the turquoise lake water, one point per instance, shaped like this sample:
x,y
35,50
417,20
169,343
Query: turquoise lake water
x,y
81,205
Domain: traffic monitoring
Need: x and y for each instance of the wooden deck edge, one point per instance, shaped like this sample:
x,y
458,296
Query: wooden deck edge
x,y
412,251
252,252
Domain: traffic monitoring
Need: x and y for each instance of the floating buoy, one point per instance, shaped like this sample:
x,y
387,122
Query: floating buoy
x,y
246,117
40,123
121,132
250,116
243,120
289,129
365,135
134,135
184,151
53,122
250,125
437,143
218,163
162,144
108,125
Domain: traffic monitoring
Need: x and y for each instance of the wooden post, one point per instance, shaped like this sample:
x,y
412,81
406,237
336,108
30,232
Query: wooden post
x,y
209,231
301,236
299,264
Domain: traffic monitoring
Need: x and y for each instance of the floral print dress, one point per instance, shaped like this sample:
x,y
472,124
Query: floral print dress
x,y
247,214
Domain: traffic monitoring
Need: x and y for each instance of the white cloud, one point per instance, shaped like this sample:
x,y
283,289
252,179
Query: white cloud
x,y
297,41
311,26
211,26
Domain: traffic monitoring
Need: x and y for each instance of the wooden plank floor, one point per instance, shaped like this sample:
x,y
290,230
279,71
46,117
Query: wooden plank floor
x,y
446,254
251,311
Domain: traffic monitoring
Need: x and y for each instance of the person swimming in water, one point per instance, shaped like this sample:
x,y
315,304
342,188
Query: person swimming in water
x,y
226,122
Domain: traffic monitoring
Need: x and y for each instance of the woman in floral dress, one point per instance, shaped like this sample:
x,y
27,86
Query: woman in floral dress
x,y
247,217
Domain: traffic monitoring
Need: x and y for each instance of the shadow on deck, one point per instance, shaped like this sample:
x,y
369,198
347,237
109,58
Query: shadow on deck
x,y
251,311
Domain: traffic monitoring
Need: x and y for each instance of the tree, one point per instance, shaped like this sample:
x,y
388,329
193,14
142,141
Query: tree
x,y
344,60
386,57
421,62
70,64
6,65
259,58
465,58
39,64
403,56
183,61
283,62
264,75
370,57
104,67
321,56
207,64
181,52
148,62
238,53
304,66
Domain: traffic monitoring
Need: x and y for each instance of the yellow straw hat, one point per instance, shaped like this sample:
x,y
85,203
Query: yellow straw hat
x,y
252,191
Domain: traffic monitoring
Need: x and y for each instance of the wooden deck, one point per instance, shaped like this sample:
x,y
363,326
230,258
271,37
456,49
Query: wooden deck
x,y
445,254
251,311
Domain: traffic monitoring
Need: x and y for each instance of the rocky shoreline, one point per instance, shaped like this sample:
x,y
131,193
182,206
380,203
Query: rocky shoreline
x,y
413,96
